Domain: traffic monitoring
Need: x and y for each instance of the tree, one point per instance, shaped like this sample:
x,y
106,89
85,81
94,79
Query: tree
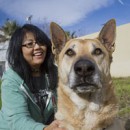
x,y
71,35
9,28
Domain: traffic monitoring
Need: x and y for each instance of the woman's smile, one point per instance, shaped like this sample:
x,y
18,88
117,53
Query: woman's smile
x,y
36,54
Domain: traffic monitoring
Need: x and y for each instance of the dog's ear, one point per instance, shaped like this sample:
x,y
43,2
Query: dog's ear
x,y
58,38
107,35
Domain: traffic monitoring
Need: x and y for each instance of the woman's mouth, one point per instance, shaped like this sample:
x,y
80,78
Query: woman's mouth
x,y
38,54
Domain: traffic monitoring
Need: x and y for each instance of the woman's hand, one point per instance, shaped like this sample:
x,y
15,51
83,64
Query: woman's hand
x,y
54,126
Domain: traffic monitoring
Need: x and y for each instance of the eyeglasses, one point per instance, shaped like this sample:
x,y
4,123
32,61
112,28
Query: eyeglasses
x,y
31,44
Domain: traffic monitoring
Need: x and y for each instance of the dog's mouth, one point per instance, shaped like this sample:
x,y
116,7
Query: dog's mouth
x,y
84,77
85,88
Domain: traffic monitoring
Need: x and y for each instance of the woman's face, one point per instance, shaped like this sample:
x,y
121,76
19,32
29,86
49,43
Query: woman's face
x,y
35,55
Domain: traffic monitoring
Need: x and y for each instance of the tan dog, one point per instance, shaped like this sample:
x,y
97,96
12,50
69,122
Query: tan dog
x,y
86,99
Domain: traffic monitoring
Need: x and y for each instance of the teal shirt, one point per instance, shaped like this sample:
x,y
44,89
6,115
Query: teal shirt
x,y
19,111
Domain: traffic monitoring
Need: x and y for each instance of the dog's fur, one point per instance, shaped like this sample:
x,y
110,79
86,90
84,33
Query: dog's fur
x,y
86,99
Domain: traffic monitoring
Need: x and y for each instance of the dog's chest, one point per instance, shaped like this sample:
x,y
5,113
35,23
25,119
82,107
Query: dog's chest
x,y
89,113
90,121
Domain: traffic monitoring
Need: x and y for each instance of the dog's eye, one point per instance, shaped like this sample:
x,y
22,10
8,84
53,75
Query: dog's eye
x,y
70,52
97,51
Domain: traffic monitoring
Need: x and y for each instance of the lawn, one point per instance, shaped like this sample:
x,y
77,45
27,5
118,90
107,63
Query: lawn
x,y
122,87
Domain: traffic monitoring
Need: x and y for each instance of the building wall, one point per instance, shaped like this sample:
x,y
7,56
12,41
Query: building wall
x,y
3,61
121,57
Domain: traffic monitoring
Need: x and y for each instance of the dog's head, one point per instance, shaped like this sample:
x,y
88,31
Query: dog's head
x,y
84,64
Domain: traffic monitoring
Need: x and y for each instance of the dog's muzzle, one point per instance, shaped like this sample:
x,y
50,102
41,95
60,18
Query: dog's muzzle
x,y
84,77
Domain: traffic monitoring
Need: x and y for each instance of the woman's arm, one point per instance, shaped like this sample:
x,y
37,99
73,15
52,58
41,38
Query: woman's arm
x,y
15,108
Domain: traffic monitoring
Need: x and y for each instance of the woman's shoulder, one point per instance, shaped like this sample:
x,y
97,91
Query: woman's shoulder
x,y
11,75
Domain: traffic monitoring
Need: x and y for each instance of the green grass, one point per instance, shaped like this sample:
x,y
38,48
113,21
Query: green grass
x,y
122,87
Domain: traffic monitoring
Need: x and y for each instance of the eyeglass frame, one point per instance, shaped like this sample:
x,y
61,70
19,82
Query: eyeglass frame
x,y
33,45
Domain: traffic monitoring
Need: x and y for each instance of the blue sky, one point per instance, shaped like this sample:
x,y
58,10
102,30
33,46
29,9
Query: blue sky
x,y
82,16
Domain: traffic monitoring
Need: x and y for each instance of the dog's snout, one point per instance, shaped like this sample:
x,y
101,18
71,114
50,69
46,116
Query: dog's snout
x,y
84,68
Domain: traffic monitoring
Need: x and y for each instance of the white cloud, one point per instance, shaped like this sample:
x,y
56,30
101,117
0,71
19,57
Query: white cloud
x,y
121,2
64,12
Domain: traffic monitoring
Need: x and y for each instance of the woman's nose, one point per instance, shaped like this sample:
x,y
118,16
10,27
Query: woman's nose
x,y
37,45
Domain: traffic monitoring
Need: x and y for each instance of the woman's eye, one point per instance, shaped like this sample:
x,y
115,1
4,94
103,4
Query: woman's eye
x,y
70,52
30,43
97,51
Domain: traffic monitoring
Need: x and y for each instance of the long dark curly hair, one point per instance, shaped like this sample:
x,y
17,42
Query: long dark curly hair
x,y
18,63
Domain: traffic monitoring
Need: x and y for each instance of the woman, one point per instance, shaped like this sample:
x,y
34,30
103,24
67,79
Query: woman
x,y
28,86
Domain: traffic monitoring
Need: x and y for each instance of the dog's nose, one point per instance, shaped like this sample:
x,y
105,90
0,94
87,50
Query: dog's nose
x,y
84,68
